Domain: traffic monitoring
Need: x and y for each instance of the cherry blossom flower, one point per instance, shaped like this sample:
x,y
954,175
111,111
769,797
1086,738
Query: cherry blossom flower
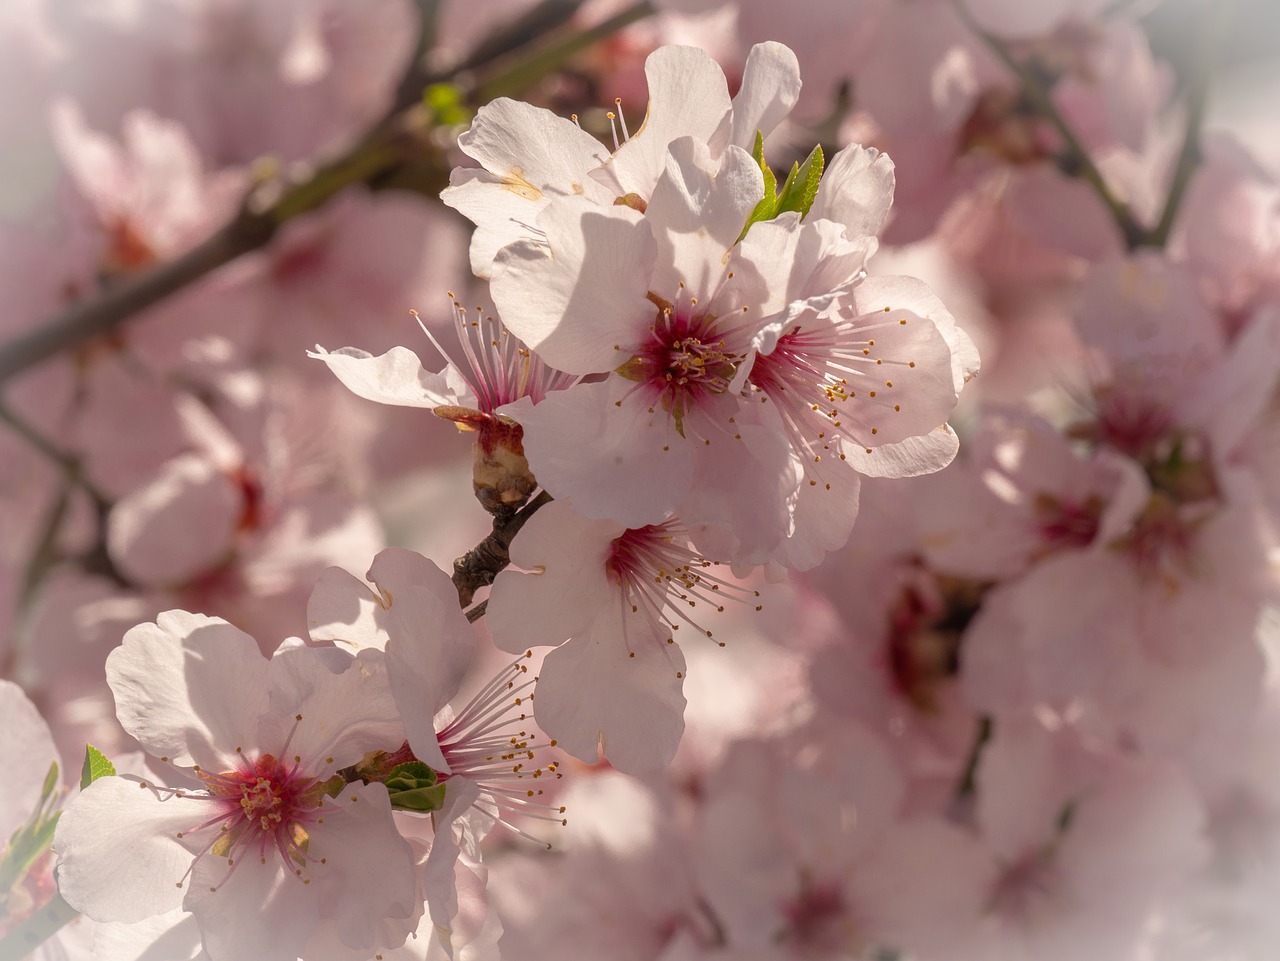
x,y
484,753
258,840
613,600
1082,846
824,859
698,297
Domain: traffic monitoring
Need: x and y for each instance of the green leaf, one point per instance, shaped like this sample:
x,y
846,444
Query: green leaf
x,y
50,783
96,765
767,208
801,187
31,840
447,104
414,786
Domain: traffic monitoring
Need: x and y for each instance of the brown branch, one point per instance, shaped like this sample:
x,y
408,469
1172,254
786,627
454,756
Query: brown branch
x,y
398,145
1077,156
479,566
1213,23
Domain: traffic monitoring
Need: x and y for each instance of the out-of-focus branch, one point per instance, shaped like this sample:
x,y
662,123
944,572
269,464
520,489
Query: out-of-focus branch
x,y
969,778
1213,24
517,73
399,142
24,938
1077,156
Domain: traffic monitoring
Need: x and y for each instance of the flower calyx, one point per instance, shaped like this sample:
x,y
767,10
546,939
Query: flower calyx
x,y
411,784
500,474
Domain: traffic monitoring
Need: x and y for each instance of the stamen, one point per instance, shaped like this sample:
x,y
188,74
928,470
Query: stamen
x,y
478,744
499,367
626,135
663,580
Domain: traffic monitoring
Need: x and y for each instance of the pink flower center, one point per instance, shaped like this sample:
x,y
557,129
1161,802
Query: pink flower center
x,y
829,379
685,360
665,580
264,806
818,920
1026,889
498,366
1066,524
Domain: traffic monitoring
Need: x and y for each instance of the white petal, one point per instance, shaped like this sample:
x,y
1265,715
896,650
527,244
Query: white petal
x,y
344,714
26,754
190,688
118,855
688,97
636,469
396,377
564,555
531,149
697,212
182,523
575,297
856,190
592,693
431,645
911,457
770,88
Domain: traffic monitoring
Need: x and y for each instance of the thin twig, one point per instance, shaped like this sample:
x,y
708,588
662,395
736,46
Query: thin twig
x,y
1213,26
523,72
479,566
969,779
1077,156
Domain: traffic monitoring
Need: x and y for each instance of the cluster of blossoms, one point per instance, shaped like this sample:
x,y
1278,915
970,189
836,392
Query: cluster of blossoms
x,y
846,653
707,372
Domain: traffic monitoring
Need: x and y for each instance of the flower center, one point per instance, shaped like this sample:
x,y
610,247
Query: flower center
x,y
1026,889
267,804
666,580
685,359
1065,523
818,920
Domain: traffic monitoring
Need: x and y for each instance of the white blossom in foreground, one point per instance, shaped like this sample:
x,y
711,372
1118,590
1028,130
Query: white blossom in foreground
x,y
258,837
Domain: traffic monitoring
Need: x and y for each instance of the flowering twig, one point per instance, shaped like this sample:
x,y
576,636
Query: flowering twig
x,y
1077,156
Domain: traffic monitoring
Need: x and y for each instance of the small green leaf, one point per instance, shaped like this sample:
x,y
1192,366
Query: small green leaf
x,y
767,208
412,771
798,191
447,104
414,786
424,800
801,187
50,783
96,765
